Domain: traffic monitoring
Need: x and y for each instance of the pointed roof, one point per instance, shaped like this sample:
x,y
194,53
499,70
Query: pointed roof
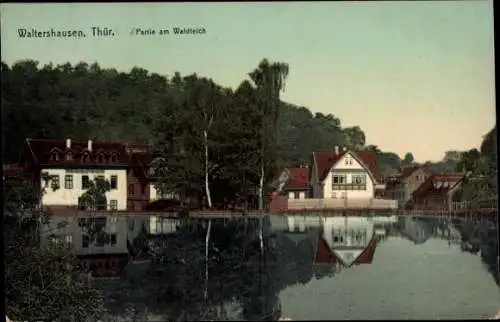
x,y
298,179
324,161
435,184
408,171
41,149
326,256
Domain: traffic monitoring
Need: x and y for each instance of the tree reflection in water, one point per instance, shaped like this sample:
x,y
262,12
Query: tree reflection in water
x,y
479,236
244,282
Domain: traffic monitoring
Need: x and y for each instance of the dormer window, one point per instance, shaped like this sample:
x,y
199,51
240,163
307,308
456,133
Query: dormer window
x,y
114,157
101,158
69,155
54,156
85,157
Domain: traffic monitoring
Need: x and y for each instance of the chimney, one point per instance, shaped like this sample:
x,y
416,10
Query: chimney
x,y
89,145
68,143
336,149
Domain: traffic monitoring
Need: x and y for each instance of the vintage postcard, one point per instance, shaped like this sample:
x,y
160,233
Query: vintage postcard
x,y
249,161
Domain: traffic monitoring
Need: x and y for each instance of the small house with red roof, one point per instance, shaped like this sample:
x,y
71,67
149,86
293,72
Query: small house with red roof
x,y
343,174
436,193
297,185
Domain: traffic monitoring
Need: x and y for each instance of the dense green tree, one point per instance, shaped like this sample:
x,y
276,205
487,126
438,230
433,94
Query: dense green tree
x,y
355,138
41,282
269,80
408,159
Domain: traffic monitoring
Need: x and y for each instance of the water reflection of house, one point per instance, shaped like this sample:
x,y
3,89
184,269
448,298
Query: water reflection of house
x,y
106,244
416,230
346,241
100,243
337,241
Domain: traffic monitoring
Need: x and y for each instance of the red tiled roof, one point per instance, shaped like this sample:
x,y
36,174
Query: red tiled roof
x,y
42,148
299,179
428,186
325,255
326,159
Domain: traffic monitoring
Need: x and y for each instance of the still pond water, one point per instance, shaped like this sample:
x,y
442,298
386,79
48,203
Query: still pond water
x,y
301,267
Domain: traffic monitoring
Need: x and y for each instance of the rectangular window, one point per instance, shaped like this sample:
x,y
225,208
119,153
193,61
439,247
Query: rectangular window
x,y
100,177
130,189
113,204
359,179
85,241
339,179
112,224
152,225
69,241
296,195
114,182
68,181
112,239
85,182
54,183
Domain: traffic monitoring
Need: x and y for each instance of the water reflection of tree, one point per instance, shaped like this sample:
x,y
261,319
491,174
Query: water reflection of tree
x,y
479,236
483,237
239,272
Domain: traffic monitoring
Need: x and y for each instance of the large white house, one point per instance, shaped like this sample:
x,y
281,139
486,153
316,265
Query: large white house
x,y
343,174
71,166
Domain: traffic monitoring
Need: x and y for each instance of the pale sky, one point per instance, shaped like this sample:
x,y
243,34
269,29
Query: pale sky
x,y
415,76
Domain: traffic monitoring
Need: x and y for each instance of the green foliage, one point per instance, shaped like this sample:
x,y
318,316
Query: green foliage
x,y
41,283
95,195
482,181
408,159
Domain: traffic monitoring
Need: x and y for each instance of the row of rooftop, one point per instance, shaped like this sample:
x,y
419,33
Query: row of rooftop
x,y
345,174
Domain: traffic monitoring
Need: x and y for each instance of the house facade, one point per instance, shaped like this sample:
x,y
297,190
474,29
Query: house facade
x,y
402,186
65,169
71,166
343,174
436,193
297,186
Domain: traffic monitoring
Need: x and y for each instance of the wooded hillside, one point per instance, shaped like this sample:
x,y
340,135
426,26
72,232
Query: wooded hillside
x,y
244,133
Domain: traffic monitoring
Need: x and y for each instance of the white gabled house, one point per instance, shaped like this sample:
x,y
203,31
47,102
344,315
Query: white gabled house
x,y
344,175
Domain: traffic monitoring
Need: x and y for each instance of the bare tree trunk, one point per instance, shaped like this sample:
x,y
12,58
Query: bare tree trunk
x,y
207,188
261,227
261,186
207,239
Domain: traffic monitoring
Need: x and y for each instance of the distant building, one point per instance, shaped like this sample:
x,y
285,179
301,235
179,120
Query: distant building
x,y
401,187
436,193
